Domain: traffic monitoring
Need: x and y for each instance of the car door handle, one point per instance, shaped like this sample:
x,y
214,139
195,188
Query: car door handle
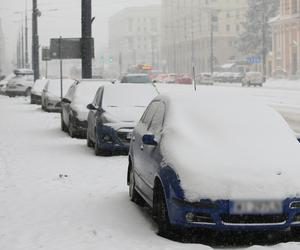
x,y
142,147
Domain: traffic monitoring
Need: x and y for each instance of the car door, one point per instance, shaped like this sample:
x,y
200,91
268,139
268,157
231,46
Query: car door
x,y
151,154
67,106
92,118
138,156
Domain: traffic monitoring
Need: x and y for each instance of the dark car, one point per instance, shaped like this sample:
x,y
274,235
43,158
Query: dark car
x,y
114,113
74,106
197,168
136,78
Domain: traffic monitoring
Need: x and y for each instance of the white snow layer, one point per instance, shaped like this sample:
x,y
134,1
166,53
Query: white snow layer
x,y
225,145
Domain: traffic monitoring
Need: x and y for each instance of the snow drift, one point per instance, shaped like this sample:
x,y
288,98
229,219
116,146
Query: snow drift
x,y
225,145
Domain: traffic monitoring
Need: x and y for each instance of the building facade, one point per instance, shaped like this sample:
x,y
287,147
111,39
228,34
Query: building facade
x,y
134,37
2,51
286,39
191,28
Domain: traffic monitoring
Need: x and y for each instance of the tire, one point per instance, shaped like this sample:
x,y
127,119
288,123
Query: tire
x,y
72,131
27,92
160,212
133,194
98,151
89,143
63,126
295,231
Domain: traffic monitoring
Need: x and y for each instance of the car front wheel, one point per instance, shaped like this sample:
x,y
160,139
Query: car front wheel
x,y
160,212
133,194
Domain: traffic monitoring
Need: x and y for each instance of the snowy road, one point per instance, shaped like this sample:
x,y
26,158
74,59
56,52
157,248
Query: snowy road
x,y
56,195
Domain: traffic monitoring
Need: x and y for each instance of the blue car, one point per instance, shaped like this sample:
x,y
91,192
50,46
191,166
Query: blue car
x,y
206,161
114,113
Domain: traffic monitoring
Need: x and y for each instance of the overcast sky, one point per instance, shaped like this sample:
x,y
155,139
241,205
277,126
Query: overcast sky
x,y
66,21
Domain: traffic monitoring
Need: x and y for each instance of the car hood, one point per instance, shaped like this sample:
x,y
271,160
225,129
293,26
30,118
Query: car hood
x,y
127,115
230,147
81,111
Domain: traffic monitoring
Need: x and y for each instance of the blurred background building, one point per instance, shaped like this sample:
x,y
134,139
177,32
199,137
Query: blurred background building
x,y
286,39
134,37
189,28
2,50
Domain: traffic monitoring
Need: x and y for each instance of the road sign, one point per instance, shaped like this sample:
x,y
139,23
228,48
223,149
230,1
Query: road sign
x,y
254,60
70,48
46,54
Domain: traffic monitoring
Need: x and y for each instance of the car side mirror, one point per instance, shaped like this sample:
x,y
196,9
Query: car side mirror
x,y
91,107
65,100
149,139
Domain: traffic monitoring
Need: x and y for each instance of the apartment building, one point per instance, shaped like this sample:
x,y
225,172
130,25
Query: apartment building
x,y
2,50
134,37
191,28
286,39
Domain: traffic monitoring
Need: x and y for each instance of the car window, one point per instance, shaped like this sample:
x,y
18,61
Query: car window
x,y
147,117
158,119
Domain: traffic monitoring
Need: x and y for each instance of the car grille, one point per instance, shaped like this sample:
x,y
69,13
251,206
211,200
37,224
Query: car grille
x,y
254,219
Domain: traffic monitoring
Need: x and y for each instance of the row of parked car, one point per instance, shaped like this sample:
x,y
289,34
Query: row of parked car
x,y
208,159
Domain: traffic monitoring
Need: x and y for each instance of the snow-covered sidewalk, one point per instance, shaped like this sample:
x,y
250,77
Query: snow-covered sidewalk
x,y
56,195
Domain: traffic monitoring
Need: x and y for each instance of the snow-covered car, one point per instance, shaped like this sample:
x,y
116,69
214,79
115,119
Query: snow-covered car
x,y
3,83
114,113
20,84
204,79
74,106
136,78
51,95
232,163
37,90
253,79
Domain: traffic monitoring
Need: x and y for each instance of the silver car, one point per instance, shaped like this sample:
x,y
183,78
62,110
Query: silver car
x,y
51,96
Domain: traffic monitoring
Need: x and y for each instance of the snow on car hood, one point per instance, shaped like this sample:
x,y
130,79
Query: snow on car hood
x,y
227,146
81,110
124,114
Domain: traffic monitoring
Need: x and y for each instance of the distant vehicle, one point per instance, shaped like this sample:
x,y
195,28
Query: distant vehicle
x,y
51,100
3,83
204,79
136,78
253,79
114,113
37,90
20,84
215,166
280,73
184,79
74,106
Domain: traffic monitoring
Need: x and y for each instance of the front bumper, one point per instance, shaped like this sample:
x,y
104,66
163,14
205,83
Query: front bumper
x,y
116,141
80,127
53,106
36,99
217,216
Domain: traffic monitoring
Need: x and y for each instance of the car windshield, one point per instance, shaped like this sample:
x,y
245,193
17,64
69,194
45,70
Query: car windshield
x,y
40,84
86,91
128,96
136,79
54,86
